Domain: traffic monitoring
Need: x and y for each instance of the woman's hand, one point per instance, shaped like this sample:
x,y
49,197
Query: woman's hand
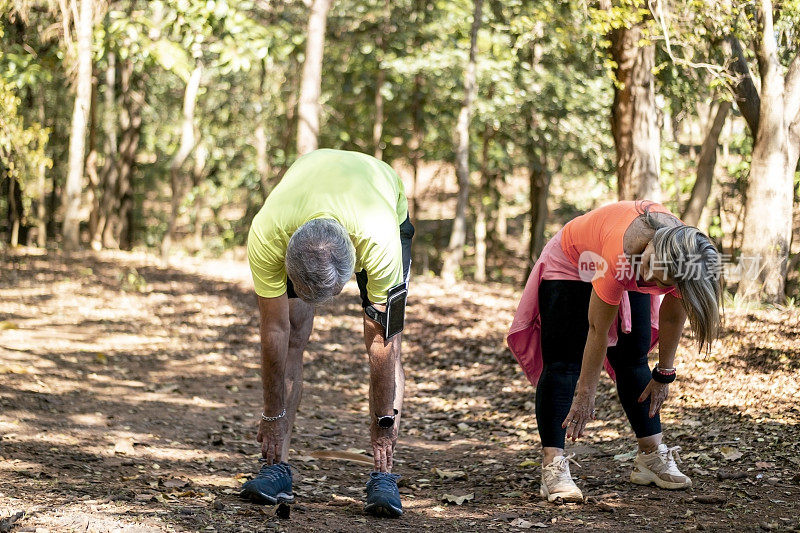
x,y
657,392
580,413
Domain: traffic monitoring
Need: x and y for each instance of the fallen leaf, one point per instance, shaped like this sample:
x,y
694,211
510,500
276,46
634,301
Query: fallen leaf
x,y
13,369
175,483
124,446
763,464
529,462
625,456
342,456
450,474
730,454
8,325
341,501
458,499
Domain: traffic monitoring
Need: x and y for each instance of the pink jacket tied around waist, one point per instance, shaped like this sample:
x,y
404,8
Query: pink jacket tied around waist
x,y
525,335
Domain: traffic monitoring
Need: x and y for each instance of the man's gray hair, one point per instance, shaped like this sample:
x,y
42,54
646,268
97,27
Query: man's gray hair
x,y
320,259
695,265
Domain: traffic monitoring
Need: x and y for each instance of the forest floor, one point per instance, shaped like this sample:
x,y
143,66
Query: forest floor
x,y
129,396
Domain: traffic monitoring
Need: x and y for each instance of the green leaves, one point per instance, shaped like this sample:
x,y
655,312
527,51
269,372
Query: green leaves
x,y
172,57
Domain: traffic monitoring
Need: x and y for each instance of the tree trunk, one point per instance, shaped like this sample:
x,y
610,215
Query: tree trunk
x,y
416,141
261,143
198,176
187,144
481,206
77,140
768,217
117,231
705,167
110,172
310,86
458,235
262,158
14,214
377,126
634,117
41,176
91,163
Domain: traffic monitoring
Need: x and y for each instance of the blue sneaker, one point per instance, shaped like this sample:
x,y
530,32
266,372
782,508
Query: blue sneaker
x,y
383,498
272,485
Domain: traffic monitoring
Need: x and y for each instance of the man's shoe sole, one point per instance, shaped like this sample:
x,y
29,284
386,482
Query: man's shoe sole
x,y
647,477
383,511
570,497
266,499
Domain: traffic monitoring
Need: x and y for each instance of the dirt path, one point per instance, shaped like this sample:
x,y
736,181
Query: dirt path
x,y
128,395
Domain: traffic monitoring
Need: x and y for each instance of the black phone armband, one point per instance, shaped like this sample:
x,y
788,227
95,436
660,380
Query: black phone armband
x,y
393,319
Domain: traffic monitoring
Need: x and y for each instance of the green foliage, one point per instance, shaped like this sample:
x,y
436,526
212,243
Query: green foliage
x,y
544,75
21,146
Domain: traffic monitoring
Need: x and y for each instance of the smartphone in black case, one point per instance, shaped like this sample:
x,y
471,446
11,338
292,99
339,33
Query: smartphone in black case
x,y
395,310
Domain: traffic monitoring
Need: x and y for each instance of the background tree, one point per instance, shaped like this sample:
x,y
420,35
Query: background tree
x,y
308,104
455,250
633,112
80,120
770,195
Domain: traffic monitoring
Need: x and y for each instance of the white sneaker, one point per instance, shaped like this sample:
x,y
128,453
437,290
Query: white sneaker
x,y
660,467
557,481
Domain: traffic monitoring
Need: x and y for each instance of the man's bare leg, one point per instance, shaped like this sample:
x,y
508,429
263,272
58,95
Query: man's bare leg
x,y
301,318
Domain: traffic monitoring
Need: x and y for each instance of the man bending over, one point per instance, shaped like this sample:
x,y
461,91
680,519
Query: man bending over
x,y
333,214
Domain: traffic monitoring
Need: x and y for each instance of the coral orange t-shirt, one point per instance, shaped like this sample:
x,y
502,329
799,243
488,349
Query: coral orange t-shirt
x,y
593,243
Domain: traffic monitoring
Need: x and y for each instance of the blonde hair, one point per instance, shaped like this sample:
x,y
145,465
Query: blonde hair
x,y
693,262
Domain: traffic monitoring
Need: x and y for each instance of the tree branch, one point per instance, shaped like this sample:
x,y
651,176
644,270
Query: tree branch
x,y
747,98
791,97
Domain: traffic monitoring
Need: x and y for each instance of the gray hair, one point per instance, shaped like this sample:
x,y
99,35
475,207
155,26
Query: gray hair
x,y
320,259
693,261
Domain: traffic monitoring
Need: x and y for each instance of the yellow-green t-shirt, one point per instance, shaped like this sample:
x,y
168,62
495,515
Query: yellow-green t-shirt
x,y
363,194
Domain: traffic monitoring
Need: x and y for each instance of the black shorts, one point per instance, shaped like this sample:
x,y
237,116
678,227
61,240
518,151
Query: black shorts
x,y
406,235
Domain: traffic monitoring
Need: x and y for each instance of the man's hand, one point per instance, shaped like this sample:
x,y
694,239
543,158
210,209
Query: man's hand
x,y
271,435
657,392
580,413
383,441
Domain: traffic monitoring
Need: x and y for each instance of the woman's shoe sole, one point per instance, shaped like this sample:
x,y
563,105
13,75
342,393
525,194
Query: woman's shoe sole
x,y
646,478
553,497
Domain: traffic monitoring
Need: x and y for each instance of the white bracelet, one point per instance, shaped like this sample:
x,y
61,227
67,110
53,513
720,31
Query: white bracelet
x,y
273,418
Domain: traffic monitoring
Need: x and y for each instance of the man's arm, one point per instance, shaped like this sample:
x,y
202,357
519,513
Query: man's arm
x,y
274,331
383,389
601,316
671,319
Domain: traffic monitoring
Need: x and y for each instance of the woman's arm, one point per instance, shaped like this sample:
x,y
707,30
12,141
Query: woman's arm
x,y
671,319
601,316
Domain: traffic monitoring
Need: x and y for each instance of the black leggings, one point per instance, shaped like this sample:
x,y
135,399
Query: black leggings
x,y
564,309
